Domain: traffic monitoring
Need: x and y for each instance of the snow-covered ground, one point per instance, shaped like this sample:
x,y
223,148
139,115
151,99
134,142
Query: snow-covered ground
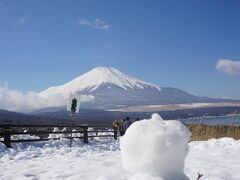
x,y
151,149
101,160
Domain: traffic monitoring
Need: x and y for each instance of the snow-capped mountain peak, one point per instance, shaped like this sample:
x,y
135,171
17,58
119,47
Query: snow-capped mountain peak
x,y
96,77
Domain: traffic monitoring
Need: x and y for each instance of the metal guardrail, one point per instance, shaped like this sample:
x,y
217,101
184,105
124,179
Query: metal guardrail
x,y
8,131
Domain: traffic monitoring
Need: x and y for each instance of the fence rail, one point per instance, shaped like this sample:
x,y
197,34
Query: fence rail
x,y
85,131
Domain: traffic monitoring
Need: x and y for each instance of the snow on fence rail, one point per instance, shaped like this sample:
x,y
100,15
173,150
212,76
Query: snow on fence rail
x,y
30,133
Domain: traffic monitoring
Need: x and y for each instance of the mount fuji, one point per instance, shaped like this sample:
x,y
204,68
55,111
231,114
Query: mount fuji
x,y
110,88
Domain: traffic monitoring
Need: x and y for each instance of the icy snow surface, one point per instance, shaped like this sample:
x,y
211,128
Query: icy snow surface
x,y
96,77
155,147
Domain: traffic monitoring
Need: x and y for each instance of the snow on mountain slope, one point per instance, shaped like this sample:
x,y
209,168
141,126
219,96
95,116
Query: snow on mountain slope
x,y
98,76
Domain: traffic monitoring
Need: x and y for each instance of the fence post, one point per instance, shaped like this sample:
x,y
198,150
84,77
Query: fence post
x,y
7,136
85,134
115,133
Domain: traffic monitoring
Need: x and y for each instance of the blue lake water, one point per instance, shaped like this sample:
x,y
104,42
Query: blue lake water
x,y
214,120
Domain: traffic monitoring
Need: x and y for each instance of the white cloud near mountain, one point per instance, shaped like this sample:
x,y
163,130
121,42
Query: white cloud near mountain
x,y
228,67
14,100
97,23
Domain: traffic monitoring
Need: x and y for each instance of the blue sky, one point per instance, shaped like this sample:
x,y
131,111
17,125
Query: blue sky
x,y
169,43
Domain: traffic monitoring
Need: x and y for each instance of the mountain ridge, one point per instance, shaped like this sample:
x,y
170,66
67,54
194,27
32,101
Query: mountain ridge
x,y
97,77
111,88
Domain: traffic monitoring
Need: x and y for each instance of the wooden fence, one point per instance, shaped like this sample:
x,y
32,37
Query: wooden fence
x,y
41,132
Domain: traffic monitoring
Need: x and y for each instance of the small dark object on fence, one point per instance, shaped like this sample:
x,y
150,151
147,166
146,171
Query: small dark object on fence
x,y
7,136
115,132
199,176
85,134
8,131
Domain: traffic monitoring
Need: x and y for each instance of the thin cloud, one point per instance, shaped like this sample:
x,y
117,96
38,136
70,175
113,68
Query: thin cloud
x,y
22,20
2,4
97,23
228,67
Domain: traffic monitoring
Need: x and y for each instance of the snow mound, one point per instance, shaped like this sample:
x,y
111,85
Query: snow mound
x,y
145,177
154,147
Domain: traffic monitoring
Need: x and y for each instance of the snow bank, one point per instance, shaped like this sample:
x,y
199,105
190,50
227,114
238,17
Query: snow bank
x,y
155,147
48,148
56,160
216,159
